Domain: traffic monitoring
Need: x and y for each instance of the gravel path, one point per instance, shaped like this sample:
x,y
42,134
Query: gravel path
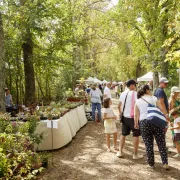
x,y
85,158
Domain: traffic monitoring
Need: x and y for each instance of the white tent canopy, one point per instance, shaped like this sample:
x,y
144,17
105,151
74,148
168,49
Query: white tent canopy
x,y
104,81
146,77
97,80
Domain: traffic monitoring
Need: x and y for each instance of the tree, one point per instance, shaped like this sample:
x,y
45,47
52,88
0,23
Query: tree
x,y
2,66
152,20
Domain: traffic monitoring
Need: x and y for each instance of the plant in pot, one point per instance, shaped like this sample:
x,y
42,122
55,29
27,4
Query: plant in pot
x,y
44,158
49,116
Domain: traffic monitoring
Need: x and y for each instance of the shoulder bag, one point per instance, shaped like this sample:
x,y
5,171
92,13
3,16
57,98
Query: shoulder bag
x,y
155,116
122,113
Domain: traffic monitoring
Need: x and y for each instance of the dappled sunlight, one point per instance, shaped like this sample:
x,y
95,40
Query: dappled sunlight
x,y
86,158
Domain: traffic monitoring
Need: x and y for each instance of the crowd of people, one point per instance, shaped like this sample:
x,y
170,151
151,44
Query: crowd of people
x,y
135,107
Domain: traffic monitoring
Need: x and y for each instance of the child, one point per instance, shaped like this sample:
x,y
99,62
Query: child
x,y
109,124
176,128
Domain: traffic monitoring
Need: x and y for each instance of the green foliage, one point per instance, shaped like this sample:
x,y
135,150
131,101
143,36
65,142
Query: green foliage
x,y
73,39
17,142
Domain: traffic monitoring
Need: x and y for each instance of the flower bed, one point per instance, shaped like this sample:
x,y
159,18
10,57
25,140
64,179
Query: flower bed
x,y
18,160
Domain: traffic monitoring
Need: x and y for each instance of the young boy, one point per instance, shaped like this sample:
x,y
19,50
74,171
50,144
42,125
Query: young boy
x,y
176,128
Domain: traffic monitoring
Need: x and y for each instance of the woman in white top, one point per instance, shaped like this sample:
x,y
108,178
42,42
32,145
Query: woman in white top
x,y
149,131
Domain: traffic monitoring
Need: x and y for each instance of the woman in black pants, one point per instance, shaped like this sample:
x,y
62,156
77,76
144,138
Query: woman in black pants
x,y
149,131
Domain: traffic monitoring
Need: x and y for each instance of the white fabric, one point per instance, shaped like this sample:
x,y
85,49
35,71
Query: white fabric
x,y
107,92
81,115
127,110
71,124
176,125
143,105
146,77
61,136
68,125
75,119
116,89
95,95
109,124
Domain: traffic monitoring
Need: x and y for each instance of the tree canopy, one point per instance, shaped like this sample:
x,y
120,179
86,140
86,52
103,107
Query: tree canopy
x,y
48,44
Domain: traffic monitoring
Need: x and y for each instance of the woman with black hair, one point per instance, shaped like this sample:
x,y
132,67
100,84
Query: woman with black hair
x,y
149,131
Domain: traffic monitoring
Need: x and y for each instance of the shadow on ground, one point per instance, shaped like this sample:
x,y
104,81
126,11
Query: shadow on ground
x,y
85,158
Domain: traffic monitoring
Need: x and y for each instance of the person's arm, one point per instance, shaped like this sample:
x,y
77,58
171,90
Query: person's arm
x,y
107,118
119,107
105,94
162,107
171,104
136,117
178,127
100,93
11,100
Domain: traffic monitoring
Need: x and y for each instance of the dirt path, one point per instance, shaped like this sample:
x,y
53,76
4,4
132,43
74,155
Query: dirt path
x,y
85,158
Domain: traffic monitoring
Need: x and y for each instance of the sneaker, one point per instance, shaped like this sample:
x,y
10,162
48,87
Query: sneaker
x,y
166,167
119,154
176,156
108,150
151,167
135,157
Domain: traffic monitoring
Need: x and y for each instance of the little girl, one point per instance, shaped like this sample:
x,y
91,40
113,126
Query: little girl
x,y
109,124
176,128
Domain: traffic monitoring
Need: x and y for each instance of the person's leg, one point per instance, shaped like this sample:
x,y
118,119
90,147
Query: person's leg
x,y
122,142
159,134
136,134
136,144
108,140
125,131
93,111
115,140
148,139
99,111
177,143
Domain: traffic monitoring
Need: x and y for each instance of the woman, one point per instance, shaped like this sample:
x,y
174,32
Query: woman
x,y
96,94
174,104
149,131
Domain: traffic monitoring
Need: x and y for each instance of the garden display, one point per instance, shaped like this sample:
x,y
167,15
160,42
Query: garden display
x,y
21,136
18,158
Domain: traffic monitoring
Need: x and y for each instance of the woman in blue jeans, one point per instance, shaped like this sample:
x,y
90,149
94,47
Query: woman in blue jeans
x,y
96,94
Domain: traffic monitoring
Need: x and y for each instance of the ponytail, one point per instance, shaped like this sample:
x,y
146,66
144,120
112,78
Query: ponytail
x,y
142,91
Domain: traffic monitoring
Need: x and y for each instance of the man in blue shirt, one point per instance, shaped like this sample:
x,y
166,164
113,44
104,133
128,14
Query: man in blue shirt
x,y
162,98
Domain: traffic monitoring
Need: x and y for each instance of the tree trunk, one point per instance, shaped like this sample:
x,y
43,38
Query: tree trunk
x,y
28,70
165,72
2,67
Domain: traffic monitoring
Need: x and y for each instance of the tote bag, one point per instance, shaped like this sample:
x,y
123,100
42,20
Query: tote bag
x,y
155,116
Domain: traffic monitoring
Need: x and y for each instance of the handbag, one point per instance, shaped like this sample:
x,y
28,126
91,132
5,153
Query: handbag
x,y
121,115
155,116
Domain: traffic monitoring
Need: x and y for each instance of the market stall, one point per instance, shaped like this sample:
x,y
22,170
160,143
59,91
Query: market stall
x,y
68,125
146,77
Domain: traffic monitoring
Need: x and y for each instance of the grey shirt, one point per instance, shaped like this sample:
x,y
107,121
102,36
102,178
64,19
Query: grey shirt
x,y
8,100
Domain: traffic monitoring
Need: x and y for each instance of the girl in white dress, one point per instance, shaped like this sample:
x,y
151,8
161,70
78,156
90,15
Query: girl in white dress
x,y
109,124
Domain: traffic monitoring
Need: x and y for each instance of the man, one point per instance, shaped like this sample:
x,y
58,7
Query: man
x,y
8,100
128,120
150,84
116,90
162,98
107,91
